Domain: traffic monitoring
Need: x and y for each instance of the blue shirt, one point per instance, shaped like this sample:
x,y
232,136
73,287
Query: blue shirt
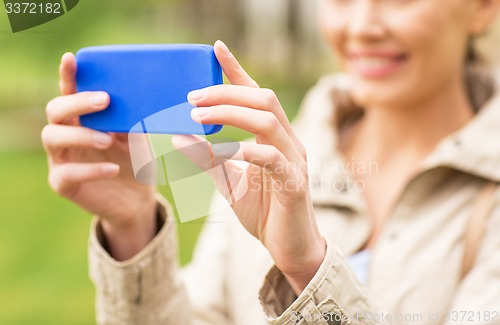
x,y
359,263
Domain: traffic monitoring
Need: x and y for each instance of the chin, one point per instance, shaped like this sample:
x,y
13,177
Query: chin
x,y
365,96
379,93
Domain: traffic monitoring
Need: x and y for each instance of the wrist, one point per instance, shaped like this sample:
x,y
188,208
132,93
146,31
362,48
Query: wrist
x,y
299,279
126,239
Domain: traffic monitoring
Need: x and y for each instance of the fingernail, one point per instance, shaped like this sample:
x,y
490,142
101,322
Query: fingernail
x,y
98,100
101,138
199,113
110,169
64,55
195,94
223,47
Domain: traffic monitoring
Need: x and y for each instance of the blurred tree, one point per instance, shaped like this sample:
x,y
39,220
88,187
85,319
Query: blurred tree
x,y
221,19
294,36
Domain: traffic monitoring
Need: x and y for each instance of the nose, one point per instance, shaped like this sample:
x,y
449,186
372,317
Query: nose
x,y
365,21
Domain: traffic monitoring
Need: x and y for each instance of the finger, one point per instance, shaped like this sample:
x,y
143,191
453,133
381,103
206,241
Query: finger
x,y
262,155
257,98
195,148
57,137
225,174
64,108
64,179
67,74
261,123
289,175
120,136
231,67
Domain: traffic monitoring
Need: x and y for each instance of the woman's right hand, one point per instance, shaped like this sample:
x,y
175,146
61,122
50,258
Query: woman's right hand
x,y
93,169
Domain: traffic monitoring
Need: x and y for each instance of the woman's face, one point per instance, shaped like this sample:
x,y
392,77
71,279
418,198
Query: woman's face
x,y
398,51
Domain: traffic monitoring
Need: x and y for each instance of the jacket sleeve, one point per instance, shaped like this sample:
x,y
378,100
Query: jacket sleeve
x,y
151,289
333,296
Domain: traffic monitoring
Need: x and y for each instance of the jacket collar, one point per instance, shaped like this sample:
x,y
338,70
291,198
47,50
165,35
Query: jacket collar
x,y
474,149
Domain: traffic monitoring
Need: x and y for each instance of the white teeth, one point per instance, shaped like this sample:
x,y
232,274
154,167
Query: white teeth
x,y
372,62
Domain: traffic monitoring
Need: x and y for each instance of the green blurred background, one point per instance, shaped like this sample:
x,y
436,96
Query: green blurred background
x,y
43,238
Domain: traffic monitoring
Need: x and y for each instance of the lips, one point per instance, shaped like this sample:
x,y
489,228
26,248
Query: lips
x,y
375,64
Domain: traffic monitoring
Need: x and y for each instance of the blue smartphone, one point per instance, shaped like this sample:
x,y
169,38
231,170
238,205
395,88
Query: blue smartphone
x,y
148,86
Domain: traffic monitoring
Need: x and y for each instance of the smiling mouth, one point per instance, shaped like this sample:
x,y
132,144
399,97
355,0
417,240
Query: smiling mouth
x,y
376,65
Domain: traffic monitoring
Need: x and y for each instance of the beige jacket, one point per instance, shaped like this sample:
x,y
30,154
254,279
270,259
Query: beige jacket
x,y
414,271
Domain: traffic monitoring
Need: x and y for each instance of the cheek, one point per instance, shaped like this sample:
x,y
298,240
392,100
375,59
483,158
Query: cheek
x,y
431,35
332,25
436,43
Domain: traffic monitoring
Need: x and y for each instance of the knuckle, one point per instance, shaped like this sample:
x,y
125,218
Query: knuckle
x,y
275,155
55,182
59,180
270,122
302,151
207,162
46,134
270,97
50,108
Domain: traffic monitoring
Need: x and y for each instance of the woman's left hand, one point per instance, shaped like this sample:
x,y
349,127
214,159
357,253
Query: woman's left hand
x,y
270,192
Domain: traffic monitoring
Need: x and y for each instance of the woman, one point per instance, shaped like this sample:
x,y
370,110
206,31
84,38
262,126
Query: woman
x,y
383,247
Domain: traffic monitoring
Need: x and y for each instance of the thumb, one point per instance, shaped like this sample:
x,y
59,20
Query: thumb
x,y
226,175
231,67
